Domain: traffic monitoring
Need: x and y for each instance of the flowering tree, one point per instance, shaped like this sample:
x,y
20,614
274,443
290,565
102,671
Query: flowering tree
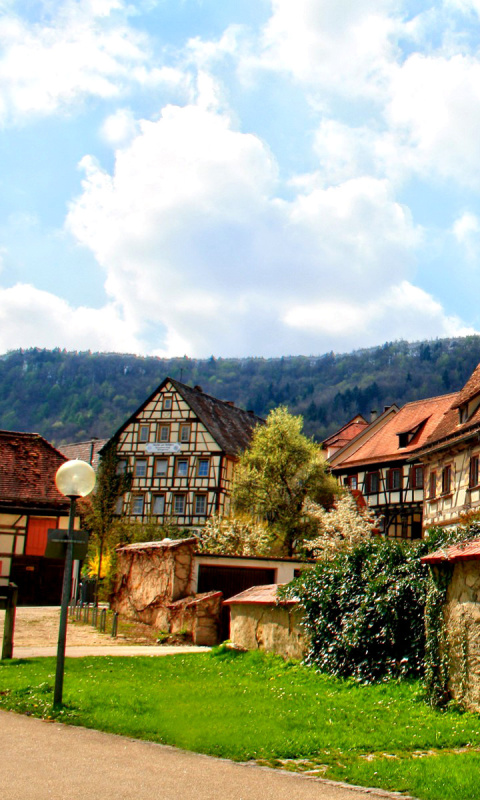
x,y
234,536
341,528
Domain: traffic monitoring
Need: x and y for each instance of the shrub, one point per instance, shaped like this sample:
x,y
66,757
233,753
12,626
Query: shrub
x,y
364,610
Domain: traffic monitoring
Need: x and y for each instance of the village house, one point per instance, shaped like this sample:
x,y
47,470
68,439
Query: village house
x,y
29,506
180,447
382,464
451,456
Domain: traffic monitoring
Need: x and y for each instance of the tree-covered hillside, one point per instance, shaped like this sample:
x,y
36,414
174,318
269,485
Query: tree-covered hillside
x,y
73,396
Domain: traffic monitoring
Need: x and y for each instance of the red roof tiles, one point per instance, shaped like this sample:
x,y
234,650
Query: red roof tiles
x,y
28,464
346,433
456,552
420,417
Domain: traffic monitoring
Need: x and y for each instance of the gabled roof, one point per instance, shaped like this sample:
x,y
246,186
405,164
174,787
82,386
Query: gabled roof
x,y
231,427
420,417
28,464
449,429
85,451
470,390
348,432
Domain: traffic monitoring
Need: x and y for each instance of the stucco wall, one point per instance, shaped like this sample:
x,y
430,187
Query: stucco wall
x,y
274,628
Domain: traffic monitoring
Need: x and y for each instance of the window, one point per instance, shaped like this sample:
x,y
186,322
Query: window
x,y
159,504
416,476
119,505
395,479
372,482
179,504
137,504
473,474
144,433
351,481
432,485
140,467
447,479
184,433
121,466
200,505
167,403
164,433
203,467
181,467
161,467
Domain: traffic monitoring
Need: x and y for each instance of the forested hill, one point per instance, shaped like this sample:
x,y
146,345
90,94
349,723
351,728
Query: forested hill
x,y
74,396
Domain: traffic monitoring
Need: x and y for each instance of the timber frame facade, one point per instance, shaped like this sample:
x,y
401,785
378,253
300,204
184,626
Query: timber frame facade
x,y
451,456
180,448
382,464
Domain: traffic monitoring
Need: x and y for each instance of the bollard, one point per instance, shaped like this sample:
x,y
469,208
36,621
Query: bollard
x,y
103,620
94,616
114,624
10,605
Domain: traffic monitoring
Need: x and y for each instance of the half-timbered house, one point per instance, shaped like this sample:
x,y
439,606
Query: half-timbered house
x,y
382,463
180,447
29,505
451,455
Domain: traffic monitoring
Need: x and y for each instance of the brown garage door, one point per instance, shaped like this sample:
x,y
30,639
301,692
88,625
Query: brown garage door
x,y
231,581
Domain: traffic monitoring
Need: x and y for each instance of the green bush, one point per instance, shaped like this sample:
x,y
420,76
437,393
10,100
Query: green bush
x,y
364,610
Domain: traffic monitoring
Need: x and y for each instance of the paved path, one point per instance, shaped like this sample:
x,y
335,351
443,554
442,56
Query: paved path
x,y
50,761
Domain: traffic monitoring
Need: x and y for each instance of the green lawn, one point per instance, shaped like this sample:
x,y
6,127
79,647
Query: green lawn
x,y
253,706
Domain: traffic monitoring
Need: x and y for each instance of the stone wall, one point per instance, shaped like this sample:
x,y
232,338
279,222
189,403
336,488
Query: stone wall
x,y
462,621
274,628
154,585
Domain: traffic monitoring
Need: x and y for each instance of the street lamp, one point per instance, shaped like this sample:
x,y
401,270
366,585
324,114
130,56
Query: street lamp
x,y
74,479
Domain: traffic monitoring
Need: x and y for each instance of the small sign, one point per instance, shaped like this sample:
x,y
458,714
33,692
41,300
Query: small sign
x,y
57,544
164,448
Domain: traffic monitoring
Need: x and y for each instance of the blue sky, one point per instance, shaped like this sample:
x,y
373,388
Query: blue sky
x,y
269,177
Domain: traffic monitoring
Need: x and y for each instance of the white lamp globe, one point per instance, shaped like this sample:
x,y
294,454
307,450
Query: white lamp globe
x,y
75,478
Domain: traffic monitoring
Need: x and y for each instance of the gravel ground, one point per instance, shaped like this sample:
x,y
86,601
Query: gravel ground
x,y
38,627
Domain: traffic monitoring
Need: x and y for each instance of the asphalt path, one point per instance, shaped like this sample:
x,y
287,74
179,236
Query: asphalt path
x,y
50,761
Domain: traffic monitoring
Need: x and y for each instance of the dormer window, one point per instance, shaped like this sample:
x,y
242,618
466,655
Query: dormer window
x,y
463,414
403,439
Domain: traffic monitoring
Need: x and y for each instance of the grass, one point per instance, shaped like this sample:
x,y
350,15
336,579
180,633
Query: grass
x,y
253,706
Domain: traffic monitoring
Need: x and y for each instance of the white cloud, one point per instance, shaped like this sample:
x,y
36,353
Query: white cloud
x,y
193,237
342,45
402,308
30,317
435,113
86,49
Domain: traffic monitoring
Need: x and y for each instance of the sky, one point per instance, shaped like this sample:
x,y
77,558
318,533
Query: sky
x,y
238,178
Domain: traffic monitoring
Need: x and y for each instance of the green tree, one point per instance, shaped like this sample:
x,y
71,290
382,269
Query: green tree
x,y
99,513
276,474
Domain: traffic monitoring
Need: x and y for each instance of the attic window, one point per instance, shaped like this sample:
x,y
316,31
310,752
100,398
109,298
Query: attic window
x,y
463,414
404,438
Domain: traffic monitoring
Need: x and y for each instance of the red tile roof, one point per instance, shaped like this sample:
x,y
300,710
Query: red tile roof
x,y
28,464
421,416
470,390
456,552
449,428
85,451
260,595
346,433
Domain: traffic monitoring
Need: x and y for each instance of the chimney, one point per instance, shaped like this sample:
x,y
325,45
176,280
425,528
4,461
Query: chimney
x,y
230,403
373,415
198,388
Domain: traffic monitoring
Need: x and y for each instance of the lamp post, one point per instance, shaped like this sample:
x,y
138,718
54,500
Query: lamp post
x,y
74,479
